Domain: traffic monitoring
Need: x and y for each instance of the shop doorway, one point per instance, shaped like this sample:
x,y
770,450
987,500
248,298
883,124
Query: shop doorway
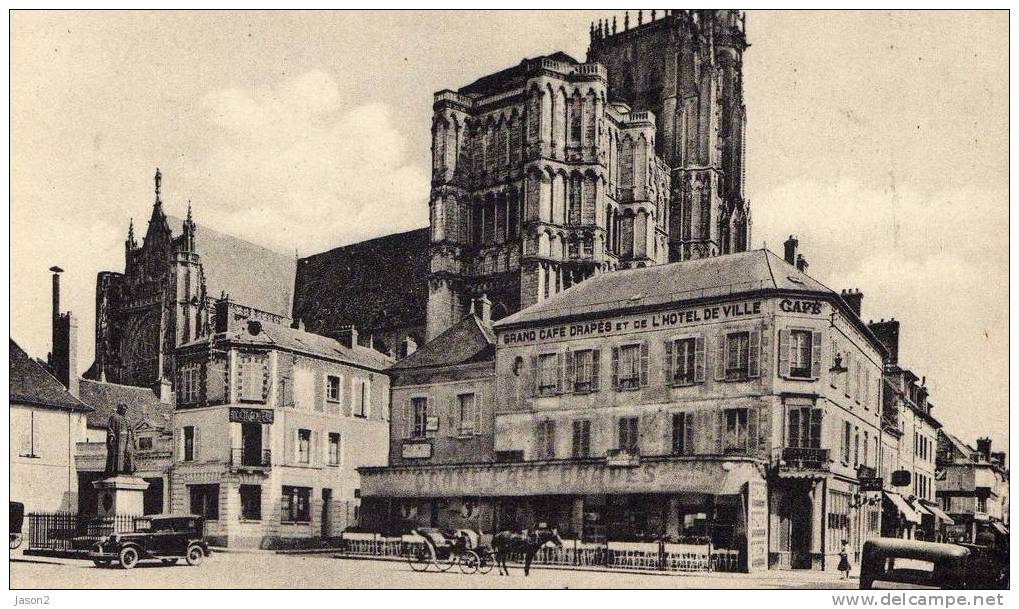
x,y
795,522
327,512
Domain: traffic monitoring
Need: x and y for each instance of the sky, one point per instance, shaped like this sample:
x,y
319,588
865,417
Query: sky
x,y
879,138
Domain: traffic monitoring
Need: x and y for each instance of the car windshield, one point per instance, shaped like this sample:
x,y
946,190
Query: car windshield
x,y
172,524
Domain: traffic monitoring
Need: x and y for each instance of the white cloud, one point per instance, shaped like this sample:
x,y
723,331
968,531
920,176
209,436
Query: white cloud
x,y
300,168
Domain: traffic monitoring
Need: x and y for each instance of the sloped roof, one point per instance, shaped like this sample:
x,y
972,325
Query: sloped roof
x,y
292,339
379,284
31,384
251,274
964,449
142,404
497,80
679,281
468,341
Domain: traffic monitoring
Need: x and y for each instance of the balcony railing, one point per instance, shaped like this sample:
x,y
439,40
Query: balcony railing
x,y
241,458
806,458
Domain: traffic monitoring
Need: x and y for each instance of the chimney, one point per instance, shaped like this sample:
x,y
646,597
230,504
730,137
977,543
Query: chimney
x,y
801,263
887,333
984,448
483,309
221,311
791,244
63,357
347,335
853,298
409,345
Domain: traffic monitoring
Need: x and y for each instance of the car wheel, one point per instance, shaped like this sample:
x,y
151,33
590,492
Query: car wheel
x,y
101,564
129,557
195,555
170,561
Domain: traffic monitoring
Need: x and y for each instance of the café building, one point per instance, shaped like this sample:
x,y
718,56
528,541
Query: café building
x,y
700,399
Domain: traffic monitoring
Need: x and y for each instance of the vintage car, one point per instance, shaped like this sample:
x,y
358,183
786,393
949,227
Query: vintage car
x,y
907,563
169,538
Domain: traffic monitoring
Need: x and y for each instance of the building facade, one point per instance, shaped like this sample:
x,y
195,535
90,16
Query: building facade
x,y
270,425
660,403
164,297
46,421
972,488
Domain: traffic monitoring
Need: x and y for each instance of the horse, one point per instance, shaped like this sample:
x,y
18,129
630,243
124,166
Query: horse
x,y
508,542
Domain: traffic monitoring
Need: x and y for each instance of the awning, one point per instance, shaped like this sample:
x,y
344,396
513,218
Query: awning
x,y
999,527
938,513
904,508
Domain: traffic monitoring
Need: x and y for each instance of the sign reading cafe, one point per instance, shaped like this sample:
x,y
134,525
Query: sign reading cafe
x,y
650,321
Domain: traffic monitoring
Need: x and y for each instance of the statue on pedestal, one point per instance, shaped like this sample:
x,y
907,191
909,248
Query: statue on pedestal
x,y
119,444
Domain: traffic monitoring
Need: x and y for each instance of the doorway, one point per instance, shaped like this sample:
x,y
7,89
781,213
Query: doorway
x,y
796,527
327,512
251,444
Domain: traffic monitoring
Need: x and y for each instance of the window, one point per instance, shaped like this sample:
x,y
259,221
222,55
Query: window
x,y
684,361
189,443
548,374
334,449
737,356
252,378
467,405
145,443
546,440
737,431
418,417
581,439
205,500
333,388
981,504
805,427
631,366
799,353
584,370
251,502
629,440
304,446
295,504
575,120
847,435
188,382
866,448
682,434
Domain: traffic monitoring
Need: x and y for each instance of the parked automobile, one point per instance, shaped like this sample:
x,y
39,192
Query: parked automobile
x,y
17,521
888,562
169,538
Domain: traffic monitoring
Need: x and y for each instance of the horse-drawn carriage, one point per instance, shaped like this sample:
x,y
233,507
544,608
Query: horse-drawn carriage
x,y
16,523
443,549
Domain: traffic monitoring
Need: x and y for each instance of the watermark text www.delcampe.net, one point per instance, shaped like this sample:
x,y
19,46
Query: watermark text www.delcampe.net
x,y
912,599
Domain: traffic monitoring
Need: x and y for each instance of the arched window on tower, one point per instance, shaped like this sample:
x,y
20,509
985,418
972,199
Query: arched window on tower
x,y
576,118
534,116
513,216
626,163
503,146
574,215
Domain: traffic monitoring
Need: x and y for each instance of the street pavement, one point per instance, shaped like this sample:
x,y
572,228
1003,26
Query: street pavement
x,y
269,570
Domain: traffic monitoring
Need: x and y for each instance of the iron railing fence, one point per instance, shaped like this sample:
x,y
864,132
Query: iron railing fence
x,y
70,532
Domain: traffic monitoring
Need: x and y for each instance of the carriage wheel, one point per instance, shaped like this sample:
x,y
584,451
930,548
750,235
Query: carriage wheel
x,y
469,562
446,562
420,557
15,540
486,561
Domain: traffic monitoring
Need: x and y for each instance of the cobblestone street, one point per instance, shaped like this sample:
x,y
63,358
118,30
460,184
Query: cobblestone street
x,y
267,570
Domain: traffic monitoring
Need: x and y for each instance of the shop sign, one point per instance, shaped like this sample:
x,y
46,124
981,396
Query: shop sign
x,y
901,477
416,450
872,485
640,323
251,415
791,305
757,525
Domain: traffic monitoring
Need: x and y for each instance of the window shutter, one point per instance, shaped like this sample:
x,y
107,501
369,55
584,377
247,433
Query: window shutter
x,y
669,374
478,403
294,441
615,367
815,428
793,433
698,366
784,336
367,388
596,370
754,354
454,416
719,431
815,355
849,374
197,444
571,371
559,372
430,411
720,357
533,380
753,424
643,363
408,418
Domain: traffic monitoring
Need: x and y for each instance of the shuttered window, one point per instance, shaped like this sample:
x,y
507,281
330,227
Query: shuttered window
x,y
682,433
581,439
545,444
630,366
549,373
417,417
629,437
684,361
582,374
805,427
467,413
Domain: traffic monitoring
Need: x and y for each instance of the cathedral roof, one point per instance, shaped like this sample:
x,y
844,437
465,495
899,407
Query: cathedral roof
x,y
142,404
717,276
497,80
376,285
466,342
252,275
31,384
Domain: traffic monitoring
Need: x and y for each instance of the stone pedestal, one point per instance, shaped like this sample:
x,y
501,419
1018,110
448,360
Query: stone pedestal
x,y
120,494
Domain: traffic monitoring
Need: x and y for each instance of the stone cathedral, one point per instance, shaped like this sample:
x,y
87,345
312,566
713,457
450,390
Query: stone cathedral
x,y
554,170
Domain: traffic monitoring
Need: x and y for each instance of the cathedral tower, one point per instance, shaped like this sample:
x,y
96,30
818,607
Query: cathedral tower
x,y
686,66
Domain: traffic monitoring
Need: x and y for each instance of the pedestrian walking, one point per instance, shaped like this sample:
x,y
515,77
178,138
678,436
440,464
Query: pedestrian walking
x,y
844,565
